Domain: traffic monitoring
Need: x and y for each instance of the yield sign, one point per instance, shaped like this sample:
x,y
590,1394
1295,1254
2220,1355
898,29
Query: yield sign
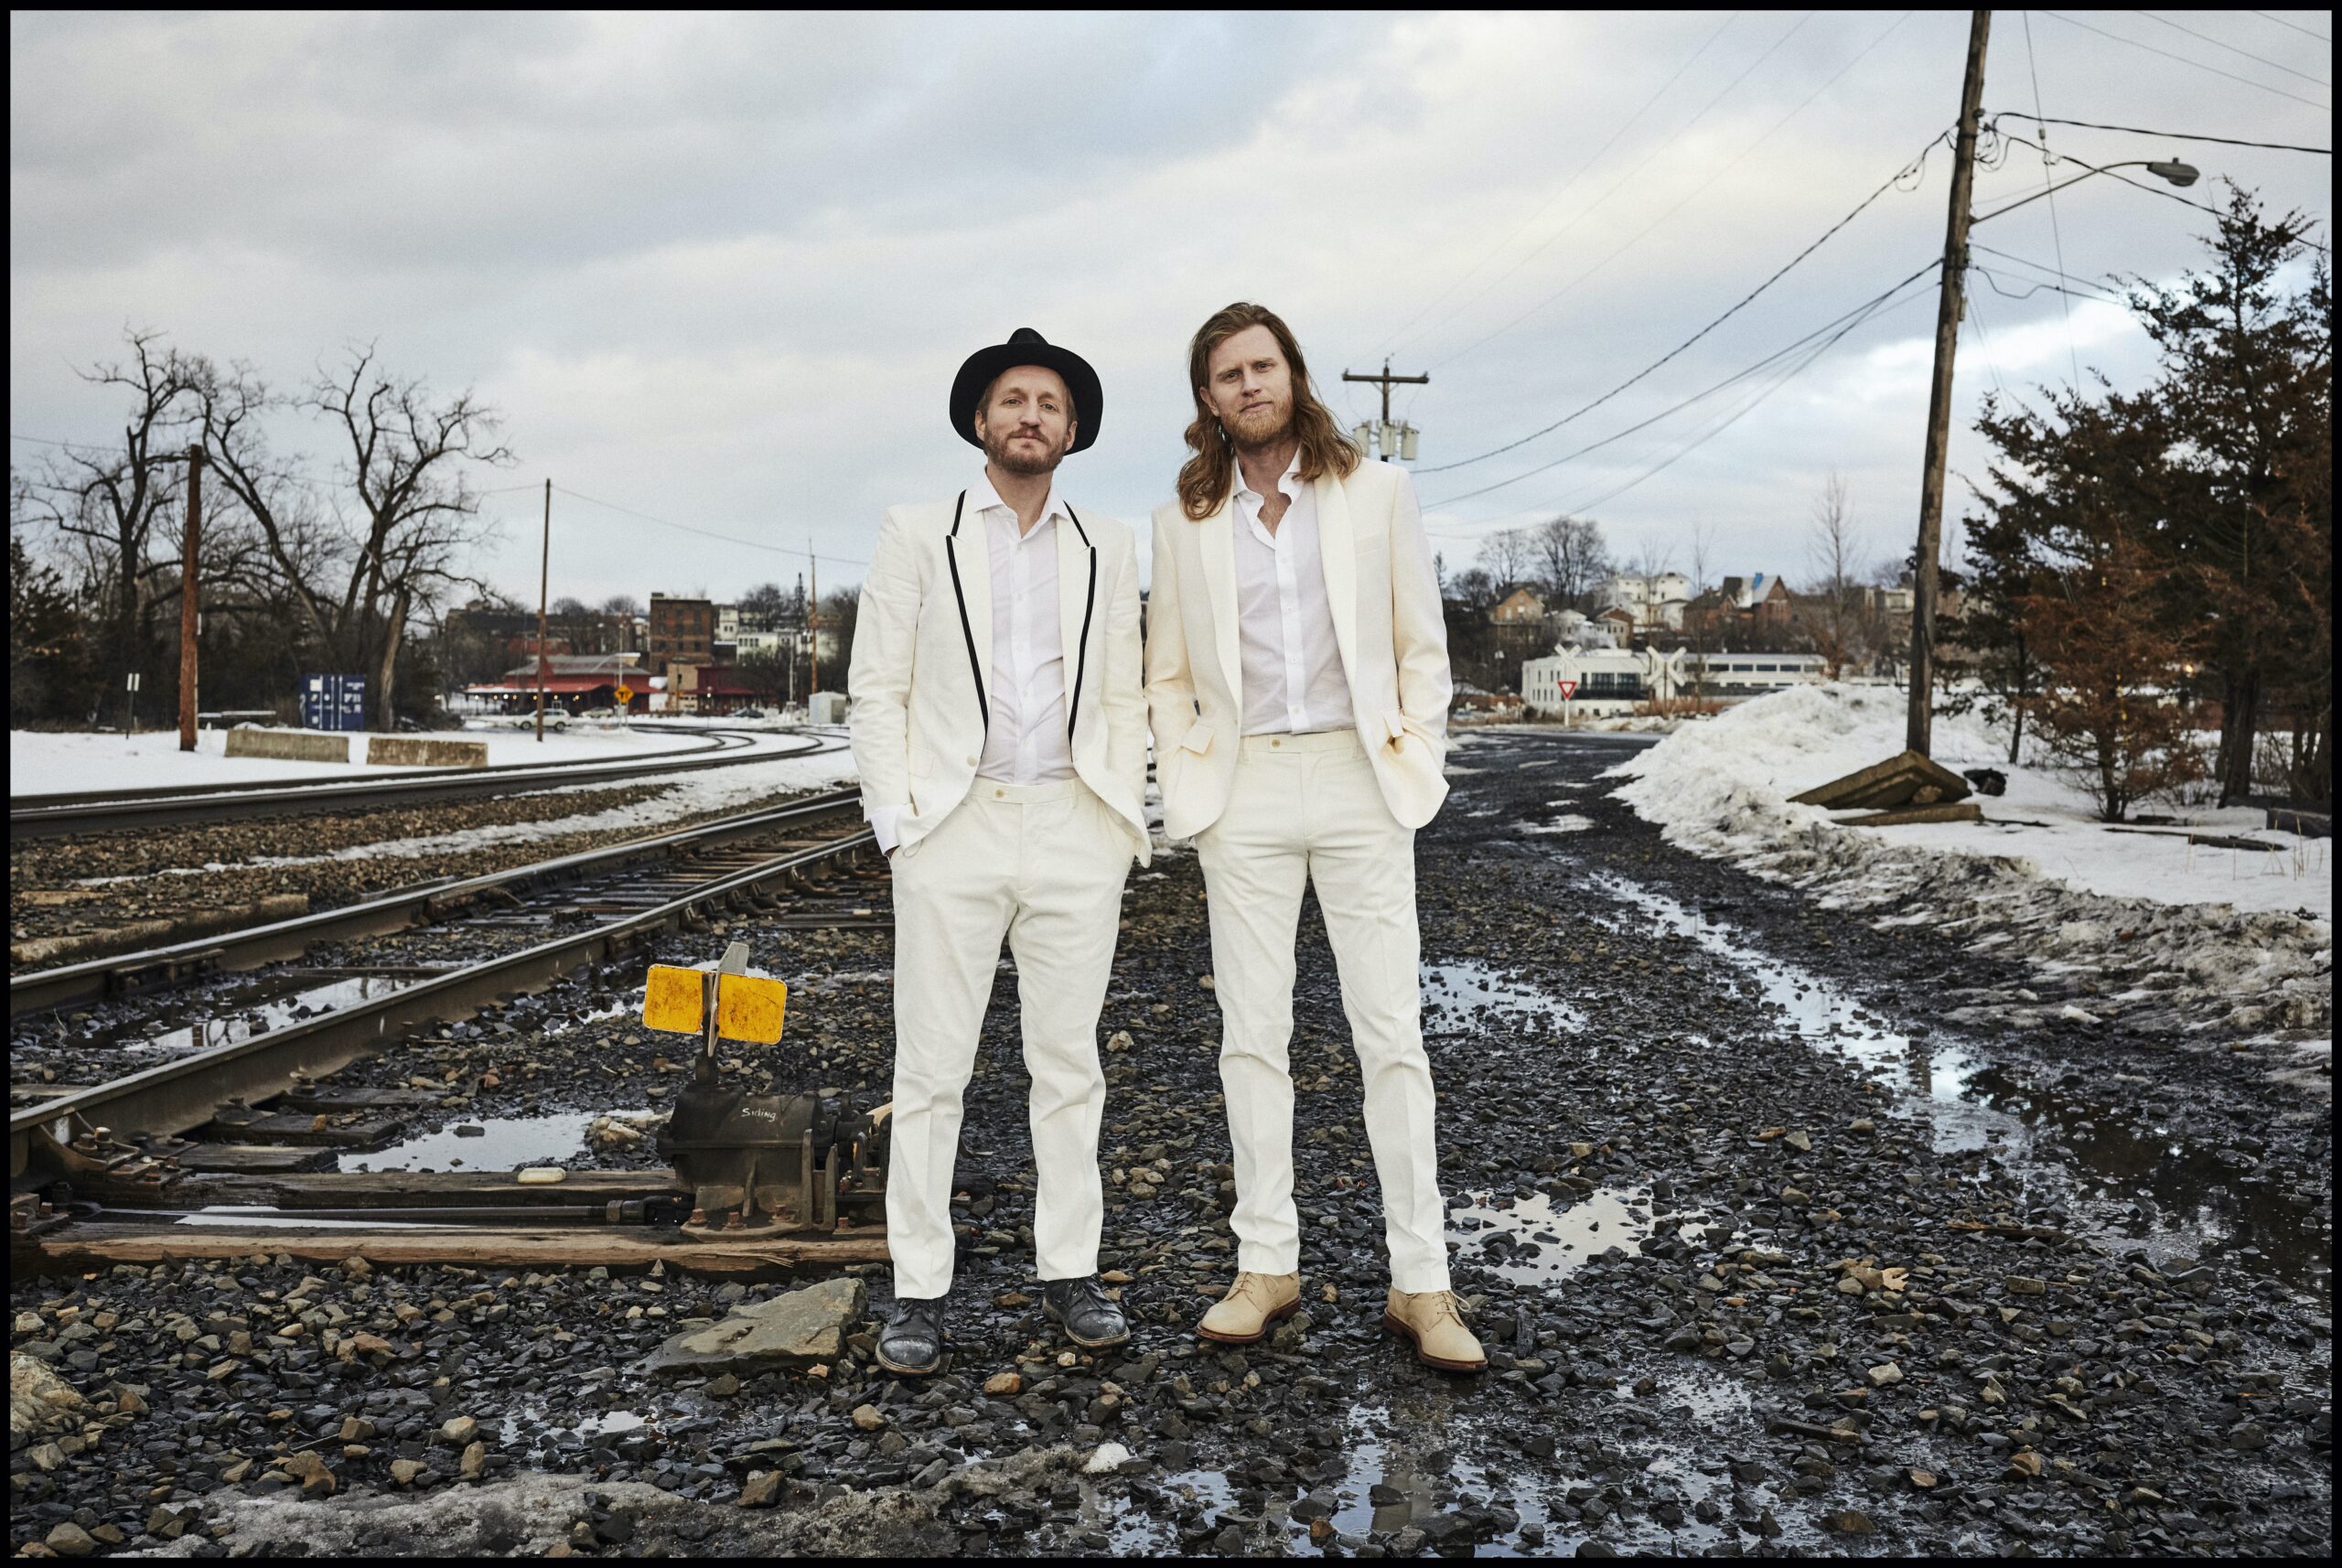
x,y
1569,689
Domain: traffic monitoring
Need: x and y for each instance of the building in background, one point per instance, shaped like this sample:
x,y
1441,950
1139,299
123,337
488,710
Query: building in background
x,y
682,633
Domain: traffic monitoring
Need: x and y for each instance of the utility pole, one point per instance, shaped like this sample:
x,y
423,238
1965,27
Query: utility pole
x,y
1950,303
545,578
814,621
189,606
1387,439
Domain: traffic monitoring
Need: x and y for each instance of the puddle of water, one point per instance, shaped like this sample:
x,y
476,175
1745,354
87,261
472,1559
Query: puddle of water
x,y
1707,1399
602,1423
1451,991
505,1143
263,1217
2168,1196
253,1018
1543,1246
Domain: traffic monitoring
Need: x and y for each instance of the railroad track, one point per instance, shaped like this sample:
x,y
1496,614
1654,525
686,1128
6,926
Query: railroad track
x,y
229,1123
109,811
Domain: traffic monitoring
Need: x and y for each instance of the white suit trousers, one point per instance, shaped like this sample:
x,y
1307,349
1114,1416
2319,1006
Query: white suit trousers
x,y
1307,809
1043,864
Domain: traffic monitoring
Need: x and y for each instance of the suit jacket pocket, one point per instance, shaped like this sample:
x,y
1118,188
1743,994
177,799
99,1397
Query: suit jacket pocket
x,y
1198,739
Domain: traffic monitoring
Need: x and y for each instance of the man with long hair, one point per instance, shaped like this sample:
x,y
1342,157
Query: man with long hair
x,y
999,733
1297,683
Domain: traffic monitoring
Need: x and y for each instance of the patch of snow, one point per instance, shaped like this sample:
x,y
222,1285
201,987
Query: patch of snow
x,y
1108,1454
2247,934
44,762
1567,822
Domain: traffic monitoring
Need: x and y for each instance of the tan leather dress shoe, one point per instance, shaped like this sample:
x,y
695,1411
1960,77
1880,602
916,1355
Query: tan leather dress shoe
x,y
1435,1322
1242,1316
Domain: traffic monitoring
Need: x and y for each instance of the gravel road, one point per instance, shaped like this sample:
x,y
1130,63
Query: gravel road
x,y
1767,1258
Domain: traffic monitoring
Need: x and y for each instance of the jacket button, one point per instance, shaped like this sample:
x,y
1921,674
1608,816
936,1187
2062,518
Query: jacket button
x,y
972,762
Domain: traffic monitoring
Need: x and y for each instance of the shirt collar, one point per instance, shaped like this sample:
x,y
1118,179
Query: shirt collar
x,y
1289,482
981,496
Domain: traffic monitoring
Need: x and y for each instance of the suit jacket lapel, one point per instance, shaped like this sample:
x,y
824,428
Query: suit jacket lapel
x,y
970,549
1076,601
1337,555
1216,540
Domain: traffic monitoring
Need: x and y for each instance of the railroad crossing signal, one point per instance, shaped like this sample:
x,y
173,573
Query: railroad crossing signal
x,y
724,1003
624,695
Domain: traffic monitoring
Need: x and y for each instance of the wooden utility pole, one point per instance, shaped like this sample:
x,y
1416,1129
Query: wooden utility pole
x,y
1950,303
1386,380
544,577
813,624
190,606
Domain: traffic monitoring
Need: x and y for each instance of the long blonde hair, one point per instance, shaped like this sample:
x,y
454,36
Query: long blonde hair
x,y
1205,477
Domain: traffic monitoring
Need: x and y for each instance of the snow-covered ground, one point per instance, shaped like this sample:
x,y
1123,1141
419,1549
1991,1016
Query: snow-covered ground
x,y
713,789
45,763
2078,897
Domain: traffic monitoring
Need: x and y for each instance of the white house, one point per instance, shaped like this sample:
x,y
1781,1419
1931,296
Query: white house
x,y
1656,601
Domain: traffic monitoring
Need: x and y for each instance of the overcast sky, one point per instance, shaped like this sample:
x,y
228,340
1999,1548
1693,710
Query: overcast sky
x,y
721,270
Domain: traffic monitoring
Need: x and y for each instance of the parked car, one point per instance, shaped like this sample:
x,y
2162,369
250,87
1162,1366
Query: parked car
x,y
605,711
749,713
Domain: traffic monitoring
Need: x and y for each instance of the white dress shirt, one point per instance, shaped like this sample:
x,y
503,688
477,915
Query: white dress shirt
x,y
1026,740
1290,664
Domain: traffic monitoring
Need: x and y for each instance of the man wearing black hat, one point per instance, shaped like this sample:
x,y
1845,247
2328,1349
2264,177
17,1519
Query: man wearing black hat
x,y
1000,732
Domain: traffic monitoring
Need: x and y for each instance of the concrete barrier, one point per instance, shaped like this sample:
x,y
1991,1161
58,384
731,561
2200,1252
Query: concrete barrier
x,y
414,751
289,745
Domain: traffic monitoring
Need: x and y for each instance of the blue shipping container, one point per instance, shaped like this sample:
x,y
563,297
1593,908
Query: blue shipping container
x,y
333,701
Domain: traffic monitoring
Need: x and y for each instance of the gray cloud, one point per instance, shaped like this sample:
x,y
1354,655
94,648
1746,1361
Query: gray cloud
x,y
720,269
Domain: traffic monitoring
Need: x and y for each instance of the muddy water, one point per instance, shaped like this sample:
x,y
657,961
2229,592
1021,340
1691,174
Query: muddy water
x,y
1454,994
247,1012
495,1144
2149,1189
1528,1242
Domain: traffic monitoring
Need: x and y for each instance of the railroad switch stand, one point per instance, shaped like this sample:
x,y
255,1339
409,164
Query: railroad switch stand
x,y
767,1162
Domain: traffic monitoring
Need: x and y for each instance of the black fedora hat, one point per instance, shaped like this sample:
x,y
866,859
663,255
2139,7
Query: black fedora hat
x,y
1026,347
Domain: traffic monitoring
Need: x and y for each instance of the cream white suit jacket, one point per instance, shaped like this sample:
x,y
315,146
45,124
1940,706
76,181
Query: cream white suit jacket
x,y
922,664
1387,622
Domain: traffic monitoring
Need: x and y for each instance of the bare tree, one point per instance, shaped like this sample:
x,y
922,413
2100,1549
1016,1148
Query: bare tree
x,y
1837,565
1572,558
1509,558
395,531
622,604
105,503
1701,618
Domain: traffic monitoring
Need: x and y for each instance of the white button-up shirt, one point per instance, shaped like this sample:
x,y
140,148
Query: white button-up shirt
x,y
1026,740
1290,665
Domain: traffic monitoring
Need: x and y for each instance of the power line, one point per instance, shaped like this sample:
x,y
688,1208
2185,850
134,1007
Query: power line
x,y
704,532
2257,60
2104,295
2049,190
1847,321
1616,185
2183,59
1906,171
2150,190
2307,32
2032,288
1399,338
2175,136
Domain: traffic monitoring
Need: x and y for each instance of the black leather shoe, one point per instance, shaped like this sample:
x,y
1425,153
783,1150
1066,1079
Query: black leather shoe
x,y
1092,1318
912,1342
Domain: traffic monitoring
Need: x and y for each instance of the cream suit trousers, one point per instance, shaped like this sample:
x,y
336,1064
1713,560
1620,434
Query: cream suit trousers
x,y
1308,809
1044,865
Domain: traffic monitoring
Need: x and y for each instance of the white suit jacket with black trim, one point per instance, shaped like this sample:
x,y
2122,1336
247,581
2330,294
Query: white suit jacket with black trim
x,y
922,664
1388,623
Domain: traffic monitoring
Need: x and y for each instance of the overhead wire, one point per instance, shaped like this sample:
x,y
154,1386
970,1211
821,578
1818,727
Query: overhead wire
x,y
1847,321
2139,185
2104,295
1400,337
2049,190
2175,136
2217,44
1908,170
2183,59
1617,185
706,533
2306,32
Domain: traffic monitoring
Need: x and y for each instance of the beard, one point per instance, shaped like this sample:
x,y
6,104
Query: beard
x,y
1261,428
1021,460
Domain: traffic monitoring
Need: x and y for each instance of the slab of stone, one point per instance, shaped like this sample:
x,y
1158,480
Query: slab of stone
x,y
40,1401
799,1329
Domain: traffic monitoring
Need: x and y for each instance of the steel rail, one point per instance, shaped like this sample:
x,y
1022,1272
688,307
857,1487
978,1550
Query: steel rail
x,y
96,979
173,1097
210,804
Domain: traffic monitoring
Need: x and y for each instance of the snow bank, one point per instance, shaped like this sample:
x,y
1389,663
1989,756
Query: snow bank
x,y
2195,931
41,762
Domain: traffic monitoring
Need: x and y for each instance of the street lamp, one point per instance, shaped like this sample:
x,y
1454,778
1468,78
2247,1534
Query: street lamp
x,y
2180,174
